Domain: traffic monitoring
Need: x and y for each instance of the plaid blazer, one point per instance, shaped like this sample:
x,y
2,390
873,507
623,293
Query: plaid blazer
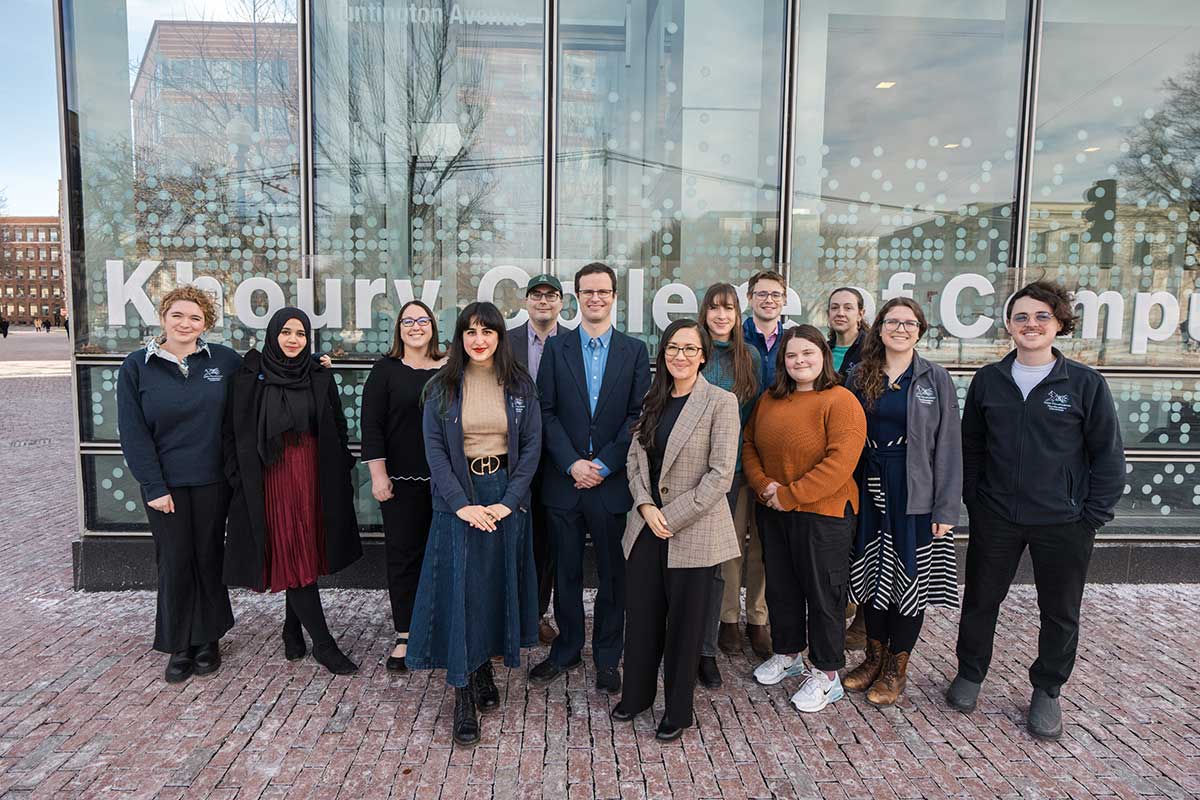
x,y
697,472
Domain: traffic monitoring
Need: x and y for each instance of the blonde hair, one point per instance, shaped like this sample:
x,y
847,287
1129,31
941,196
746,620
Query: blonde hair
x,y
191,294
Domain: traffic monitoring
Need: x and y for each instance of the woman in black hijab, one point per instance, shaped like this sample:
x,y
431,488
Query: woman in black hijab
x,y
286,455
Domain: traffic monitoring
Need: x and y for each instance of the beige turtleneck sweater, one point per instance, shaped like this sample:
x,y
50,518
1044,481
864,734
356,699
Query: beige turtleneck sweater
x,y
485,424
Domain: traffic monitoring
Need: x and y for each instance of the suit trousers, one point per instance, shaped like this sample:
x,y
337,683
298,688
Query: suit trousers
x,y
666,624
1060,556
189,549
569,528
748,569
807,561
406,520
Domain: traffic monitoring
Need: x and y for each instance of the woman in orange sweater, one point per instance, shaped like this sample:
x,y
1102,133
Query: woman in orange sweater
x,y
801,446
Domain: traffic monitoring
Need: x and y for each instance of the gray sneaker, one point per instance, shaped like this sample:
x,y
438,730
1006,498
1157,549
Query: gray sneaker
x,y
1045,716
963,694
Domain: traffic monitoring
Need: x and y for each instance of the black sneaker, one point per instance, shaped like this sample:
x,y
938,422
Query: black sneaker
x,y
1045,716
608,679
547,671
208,659
963,694
466,723
667,731
483,686
180,666
709,674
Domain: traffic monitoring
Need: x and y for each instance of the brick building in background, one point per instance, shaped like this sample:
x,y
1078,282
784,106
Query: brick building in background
x,y
31,270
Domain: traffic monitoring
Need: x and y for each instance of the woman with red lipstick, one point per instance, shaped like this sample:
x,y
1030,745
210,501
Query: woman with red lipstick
x,y
286,455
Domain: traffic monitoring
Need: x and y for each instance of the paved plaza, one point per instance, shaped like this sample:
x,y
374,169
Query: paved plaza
x,y
84,711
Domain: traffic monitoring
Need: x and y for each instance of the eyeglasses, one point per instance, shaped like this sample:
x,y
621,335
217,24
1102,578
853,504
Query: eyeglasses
x,y
897,324
539,296
769,295
424,322
588,294
1042,316
688,350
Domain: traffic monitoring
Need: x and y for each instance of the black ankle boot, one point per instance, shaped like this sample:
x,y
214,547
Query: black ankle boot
x,y
293,642
483,685
466,724
331,658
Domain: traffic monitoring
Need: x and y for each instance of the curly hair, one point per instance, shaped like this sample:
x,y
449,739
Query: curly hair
x,y
1060,300
191,294
870,375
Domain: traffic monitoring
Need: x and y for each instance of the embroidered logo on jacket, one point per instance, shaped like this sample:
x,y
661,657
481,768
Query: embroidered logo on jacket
x,y
213,374
926,395
1057,402
518,404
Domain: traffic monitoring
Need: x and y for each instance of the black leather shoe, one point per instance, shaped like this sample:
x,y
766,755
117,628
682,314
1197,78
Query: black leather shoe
x,y
333,659
483,686
180,666
293,644
709,675
466,723
396,663
208,659
620,714
608,679
547,671
667,732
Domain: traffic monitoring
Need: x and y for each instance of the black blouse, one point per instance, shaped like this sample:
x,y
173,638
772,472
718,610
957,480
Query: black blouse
x,y
670,414
391,418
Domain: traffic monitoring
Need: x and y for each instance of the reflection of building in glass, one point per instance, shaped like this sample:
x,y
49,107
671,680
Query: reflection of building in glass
x,y
31,270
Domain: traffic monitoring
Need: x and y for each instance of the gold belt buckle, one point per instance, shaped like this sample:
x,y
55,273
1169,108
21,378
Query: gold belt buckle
x,y
485,465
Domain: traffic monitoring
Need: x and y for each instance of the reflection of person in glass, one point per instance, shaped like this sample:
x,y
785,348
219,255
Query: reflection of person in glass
x,y
1043,468
801,446
910,483
394,451
735,367
680,468
170,396
477,596
286,454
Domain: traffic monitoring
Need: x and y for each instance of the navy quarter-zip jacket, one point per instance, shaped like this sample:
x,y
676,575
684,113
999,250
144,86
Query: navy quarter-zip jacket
x,y
1053,458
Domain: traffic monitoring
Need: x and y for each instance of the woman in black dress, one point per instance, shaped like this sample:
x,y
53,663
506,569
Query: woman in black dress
x,y
394,451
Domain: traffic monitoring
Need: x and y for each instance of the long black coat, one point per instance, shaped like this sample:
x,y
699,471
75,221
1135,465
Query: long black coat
x,y
246,536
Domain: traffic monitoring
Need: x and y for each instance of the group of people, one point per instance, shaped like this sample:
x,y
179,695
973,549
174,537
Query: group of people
x,y
822,471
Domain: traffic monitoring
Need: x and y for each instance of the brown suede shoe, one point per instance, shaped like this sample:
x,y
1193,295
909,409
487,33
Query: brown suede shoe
x,y
891,681
760,641
546,632
861,677
856,634
729,638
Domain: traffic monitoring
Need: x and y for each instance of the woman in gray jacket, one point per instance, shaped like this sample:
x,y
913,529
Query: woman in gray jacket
x,y
910,476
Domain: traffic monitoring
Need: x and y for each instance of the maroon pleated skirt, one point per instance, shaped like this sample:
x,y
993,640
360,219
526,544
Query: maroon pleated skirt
x,y
295,536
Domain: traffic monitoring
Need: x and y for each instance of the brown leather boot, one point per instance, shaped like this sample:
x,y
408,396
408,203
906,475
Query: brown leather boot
x,y
891,681
861,677
729,638
760,641
856,634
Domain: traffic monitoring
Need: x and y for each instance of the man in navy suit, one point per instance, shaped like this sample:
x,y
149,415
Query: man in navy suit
x,y
591,383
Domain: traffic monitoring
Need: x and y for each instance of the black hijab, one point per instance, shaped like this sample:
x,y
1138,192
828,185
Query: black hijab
x,y
286,403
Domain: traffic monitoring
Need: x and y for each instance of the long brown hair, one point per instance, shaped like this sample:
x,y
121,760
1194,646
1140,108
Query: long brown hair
x,y
745,376
660,389
433,350
870,374
784,383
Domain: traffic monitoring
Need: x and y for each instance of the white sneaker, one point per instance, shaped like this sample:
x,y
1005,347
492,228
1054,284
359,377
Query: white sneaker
x,y
818,691
778,667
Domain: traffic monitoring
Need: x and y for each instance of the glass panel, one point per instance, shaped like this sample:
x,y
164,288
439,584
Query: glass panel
x,y
428,157
1116,176
188,138
98,403
112,498
366,507
906,136
1160,495
668,163
350,384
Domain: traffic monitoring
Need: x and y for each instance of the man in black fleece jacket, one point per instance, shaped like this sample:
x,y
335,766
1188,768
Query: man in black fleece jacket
x,y
1043,468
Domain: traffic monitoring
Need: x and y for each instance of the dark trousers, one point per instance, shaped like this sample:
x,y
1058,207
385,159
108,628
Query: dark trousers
x,y
807,564
1060,555
897,632
406,520
189,548
666,624
608,621
543,545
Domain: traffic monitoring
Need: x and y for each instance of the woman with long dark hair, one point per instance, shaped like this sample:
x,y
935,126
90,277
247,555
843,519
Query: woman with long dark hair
x,y
801,447
394,451
477,595
680,467
735,367
910,477
288,459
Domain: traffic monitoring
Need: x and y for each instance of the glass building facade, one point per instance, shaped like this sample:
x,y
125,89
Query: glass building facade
x,y
347,155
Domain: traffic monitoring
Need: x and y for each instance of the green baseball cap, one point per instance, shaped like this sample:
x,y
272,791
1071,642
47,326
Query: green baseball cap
x,y
545,279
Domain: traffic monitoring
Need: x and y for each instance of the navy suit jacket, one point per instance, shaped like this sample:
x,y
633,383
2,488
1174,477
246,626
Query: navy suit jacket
x,y
568,423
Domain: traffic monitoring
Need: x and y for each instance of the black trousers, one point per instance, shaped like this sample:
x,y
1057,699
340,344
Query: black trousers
x,y
668,614
406,520
543,545
806,558
608,620
1060,555
897,632
189,548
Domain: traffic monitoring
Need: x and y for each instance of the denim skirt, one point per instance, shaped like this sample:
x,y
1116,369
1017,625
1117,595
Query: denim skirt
x,y
477,597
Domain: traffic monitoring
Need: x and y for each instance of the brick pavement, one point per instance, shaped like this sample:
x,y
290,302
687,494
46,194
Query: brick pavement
x,y
84,711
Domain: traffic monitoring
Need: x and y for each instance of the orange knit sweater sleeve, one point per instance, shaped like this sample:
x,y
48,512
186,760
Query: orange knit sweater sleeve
x,y
752,467
846,432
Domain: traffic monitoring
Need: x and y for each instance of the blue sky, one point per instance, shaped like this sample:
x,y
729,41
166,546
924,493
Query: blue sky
x,y
29,158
